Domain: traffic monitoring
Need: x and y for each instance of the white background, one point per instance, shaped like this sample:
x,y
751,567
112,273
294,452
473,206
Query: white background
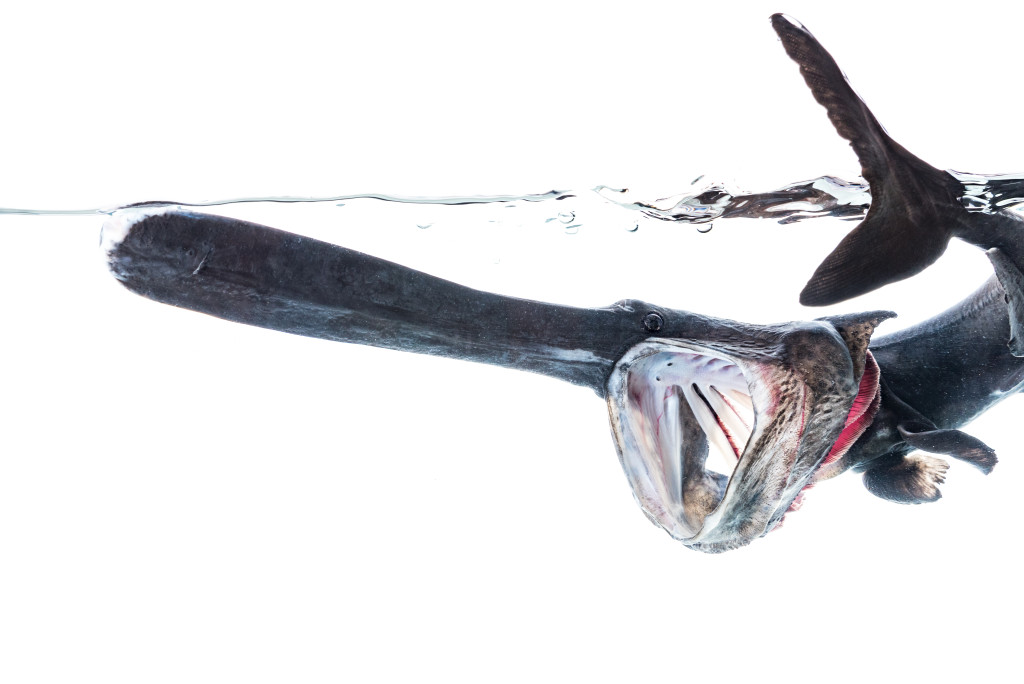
x,y
183,499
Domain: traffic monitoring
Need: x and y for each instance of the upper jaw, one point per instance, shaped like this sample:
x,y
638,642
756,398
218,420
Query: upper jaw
x,y
800,381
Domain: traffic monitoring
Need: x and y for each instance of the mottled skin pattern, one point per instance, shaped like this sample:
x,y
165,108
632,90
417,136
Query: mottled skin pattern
x,y
804,376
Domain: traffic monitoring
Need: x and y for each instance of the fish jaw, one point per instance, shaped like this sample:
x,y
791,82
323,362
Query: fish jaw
x,y
676,405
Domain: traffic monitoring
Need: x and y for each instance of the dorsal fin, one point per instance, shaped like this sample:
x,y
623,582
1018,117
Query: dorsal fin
x,y
914,206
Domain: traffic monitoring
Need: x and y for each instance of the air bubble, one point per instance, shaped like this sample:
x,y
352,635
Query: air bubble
x,y
704,227
567,216
573,229
633,228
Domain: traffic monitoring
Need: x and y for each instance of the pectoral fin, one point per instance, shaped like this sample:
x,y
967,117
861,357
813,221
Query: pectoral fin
x,y
915,478
954,443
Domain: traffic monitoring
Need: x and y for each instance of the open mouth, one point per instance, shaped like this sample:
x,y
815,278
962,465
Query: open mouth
x,y
719,436
715,393
683,417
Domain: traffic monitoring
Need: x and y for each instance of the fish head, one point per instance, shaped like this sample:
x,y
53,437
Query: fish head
x,y
720,425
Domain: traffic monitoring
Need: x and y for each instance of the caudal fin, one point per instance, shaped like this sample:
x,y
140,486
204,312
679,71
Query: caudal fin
x,y
914,206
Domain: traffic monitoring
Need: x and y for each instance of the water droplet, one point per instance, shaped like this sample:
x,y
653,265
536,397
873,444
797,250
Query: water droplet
x,y
633,228
705,227
573,229
567,216
423,226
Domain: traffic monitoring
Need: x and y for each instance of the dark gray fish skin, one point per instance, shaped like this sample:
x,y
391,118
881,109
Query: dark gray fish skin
x,y
939,375
805,375
270,278
954,367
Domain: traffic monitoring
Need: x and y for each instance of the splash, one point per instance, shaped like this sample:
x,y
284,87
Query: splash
x,y
989,194
826,196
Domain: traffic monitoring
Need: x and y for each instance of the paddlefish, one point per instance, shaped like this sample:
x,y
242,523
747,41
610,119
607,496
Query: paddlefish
x,y
720,426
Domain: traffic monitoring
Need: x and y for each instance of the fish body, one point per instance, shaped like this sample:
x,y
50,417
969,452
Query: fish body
x,y
720,426
939,375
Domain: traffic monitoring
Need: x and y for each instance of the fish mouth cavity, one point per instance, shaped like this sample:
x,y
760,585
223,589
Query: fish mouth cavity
x,y
683,416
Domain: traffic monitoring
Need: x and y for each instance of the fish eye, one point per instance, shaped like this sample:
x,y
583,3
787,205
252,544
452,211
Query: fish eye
x,y
653,321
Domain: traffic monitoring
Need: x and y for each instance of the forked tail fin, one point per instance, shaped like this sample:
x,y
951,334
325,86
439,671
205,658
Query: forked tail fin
x,y
914,209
